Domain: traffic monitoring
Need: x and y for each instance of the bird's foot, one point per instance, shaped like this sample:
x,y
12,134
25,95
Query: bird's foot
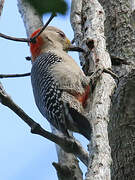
x,y
96,75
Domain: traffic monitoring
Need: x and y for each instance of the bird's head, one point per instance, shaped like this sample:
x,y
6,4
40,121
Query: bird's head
x,y
51,38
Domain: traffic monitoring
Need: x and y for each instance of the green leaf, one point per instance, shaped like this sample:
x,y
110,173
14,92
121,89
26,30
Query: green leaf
x,y
46,6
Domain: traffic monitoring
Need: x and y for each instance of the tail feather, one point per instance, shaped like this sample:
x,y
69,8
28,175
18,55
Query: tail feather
x,y
80,121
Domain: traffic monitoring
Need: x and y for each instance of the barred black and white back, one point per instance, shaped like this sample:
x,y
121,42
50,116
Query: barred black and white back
x,y
49,97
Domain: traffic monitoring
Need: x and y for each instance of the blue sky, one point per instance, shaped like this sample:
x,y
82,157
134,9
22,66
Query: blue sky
x,y
23,155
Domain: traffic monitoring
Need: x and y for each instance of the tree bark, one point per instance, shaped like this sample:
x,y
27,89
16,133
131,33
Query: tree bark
x,y
120,35
122,129
68,166
1,6
87,19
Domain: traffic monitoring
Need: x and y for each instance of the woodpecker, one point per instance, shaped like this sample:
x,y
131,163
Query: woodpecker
x,y
60,87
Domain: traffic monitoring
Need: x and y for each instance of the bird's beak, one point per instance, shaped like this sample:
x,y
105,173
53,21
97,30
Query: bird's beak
x,y
68,42
75,48
71,47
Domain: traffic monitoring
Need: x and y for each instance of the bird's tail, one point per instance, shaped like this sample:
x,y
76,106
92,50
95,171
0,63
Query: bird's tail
x,y
80,121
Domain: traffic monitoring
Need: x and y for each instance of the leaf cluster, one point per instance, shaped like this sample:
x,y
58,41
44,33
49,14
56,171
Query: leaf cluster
x,y
46,6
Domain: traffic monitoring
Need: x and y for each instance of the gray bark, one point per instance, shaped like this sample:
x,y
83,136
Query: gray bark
x,y
122,129
88,17
120,38
120,34
68,166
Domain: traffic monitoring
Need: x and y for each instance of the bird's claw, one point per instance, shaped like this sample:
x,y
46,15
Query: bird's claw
x,y
95,75
109,71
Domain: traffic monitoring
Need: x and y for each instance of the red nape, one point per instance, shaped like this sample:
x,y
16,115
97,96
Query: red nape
x,y
35,48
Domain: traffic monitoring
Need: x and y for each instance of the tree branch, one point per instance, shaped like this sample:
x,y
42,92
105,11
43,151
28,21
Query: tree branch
x,y
14,75
69,145
14,38
28,40
65,173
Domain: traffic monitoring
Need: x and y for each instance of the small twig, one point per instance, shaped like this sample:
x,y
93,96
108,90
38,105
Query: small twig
x,y
70,145
14,38
28,40
14,75
43,28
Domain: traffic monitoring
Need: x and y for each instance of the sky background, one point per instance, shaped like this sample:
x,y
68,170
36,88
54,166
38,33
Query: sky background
x,y
24,156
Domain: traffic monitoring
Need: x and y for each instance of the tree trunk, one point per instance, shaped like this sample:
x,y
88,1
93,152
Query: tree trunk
x,y
120,38
120,34
88,17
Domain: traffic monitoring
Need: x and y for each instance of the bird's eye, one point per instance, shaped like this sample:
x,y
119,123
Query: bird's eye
x,y
61,34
